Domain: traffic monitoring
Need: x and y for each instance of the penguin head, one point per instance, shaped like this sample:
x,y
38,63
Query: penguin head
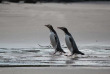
x,y
63,28
49,26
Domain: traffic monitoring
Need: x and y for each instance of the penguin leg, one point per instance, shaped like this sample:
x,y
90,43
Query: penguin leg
x,y
68,55
54,52
61,53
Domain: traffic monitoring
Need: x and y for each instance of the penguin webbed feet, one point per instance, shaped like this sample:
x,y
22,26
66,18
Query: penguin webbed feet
x,y
72,55
62,52
68,55
54,52
59,53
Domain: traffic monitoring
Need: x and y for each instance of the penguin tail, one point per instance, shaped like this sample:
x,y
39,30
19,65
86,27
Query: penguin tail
x,y
61,50
79,52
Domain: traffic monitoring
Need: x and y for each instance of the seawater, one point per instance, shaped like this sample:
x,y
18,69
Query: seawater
x,y
43,56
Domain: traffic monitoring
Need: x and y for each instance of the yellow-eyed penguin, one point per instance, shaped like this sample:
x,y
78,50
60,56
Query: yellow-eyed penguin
x,y
55,40
70,42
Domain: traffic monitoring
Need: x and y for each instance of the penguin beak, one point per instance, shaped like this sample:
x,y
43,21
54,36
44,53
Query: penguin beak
x,y
47,26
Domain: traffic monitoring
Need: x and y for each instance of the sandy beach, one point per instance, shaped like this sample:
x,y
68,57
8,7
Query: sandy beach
x,y
55,70
22,29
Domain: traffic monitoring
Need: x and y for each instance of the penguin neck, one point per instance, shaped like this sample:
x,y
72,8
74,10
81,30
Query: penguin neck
x,y
66,32
52,30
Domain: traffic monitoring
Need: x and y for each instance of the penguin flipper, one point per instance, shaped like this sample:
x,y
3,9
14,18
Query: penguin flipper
x,y
57,47
71,42
56,42
55,38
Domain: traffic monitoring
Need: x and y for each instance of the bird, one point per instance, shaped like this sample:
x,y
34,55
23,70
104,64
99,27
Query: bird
x,y
54,39
70,42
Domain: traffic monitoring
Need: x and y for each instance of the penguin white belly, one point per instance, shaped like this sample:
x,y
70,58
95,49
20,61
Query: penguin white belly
x,y
68,43
52,39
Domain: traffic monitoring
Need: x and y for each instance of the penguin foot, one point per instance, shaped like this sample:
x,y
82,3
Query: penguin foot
x,y
68,55
54,52
61,53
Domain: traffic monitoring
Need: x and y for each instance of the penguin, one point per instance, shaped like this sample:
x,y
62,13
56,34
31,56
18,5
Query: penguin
x,y
70,42
55,40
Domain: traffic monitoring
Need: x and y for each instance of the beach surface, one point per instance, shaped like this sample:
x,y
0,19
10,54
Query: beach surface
x,y
55,70
24,40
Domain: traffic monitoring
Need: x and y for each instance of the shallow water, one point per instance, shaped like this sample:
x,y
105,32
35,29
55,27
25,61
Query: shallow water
x,y
42,56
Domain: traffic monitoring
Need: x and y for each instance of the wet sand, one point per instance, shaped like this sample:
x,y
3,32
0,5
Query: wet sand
x,y
55,70
43,57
